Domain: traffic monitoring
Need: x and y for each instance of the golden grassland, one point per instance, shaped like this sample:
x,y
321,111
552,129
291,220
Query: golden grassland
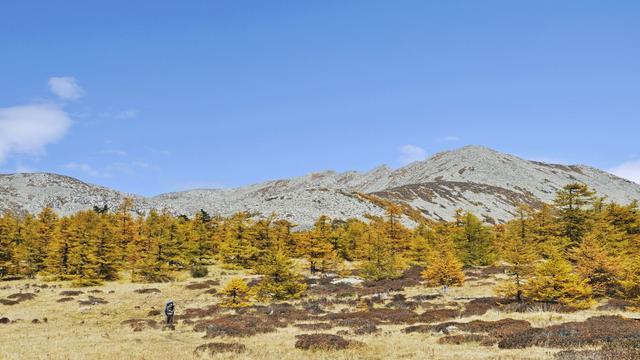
x,y
74,331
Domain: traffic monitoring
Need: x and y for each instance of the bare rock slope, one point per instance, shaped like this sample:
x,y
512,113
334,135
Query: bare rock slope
x,y
486,182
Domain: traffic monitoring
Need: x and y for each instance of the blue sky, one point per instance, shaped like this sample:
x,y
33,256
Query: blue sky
x,y
149,97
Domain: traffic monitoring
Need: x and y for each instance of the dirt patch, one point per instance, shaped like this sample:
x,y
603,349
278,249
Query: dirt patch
x,y
141,324
218,348
147,291
71,293
323,342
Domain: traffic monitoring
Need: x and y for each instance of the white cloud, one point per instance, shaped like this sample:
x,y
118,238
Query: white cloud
x,y
126,114
21,168
410,153
83,168
28,129
629,170
117,152
65,88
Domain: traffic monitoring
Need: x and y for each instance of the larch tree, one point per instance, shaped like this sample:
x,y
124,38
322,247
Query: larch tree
x,y
573,202
444,268
554,281
473,240
316,247
236,294
381,260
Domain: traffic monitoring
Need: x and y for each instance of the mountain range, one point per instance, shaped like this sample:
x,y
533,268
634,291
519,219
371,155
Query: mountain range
x,y
486,182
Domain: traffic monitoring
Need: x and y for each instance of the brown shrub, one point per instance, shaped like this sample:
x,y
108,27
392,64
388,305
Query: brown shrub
x,y
217,348
237,326
314,326
71,293
140,324
65,299
93,301
147,291
386,316
211,292
4,320
8,302
154,312
496,329
192,313
368,328
322,342
468,338
430,316
202,285
426,297
615,305
20,297
481,305
594,331
411,277
399,301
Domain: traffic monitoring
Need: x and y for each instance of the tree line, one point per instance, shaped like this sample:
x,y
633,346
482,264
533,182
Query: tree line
x,y
576,249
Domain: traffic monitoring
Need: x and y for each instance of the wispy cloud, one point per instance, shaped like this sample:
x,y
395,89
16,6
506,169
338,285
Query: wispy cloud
x,y
65,88
629,170
83,168
28,129
116,152
410,153
448,139
126,114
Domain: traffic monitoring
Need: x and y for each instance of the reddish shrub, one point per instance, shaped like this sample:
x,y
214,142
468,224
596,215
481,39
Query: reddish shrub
x,y
202,285
71,293
314,326
237,326
468,338
322,342
4,320
20,297
147,291
594,331
430,316
386,316
192,313
93,301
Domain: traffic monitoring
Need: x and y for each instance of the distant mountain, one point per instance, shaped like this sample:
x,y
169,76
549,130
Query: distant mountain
x,y
474,178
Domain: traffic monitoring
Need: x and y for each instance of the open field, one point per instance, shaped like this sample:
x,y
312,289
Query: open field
x,y
119,321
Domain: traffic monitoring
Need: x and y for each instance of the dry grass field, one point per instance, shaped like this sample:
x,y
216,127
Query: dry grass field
x,y
122,320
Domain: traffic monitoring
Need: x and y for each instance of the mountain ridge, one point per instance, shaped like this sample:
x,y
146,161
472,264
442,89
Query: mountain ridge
x,y
475,178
